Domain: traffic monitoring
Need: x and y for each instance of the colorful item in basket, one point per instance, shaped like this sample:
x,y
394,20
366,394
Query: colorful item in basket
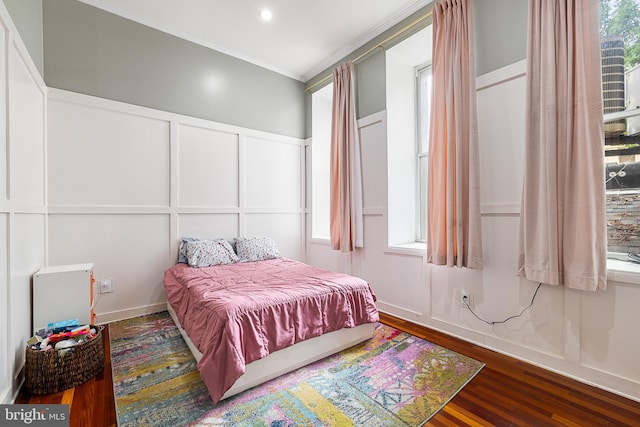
x,y
64,325
34,340
64,335
74,336
65,344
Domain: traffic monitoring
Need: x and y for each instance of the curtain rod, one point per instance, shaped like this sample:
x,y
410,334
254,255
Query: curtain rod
x,y
370,50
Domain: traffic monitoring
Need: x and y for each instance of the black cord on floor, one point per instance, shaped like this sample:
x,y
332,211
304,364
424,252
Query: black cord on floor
x,y
510,317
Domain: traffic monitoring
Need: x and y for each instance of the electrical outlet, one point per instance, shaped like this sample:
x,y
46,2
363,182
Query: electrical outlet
x,y
106,286
465,299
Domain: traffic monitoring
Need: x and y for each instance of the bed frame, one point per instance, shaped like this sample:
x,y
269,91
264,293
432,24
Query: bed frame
x,y
288,359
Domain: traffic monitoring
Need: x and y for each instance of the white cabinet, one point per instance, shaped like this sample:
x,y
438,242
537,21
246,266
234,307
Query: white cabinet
x,y
61,293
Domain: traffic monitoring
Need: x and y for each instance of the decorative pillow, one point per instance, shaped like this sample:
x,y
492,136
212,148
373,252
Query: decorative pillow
x,y
182,253
207,253
256,248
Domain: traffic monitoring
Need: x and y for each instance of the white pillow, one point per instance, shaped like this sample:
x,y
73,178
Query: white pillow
x,y
256,248
207,253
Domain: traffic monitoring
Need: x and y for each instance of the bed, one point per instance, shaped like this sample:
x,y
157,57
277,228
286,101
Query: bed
x,y
256,315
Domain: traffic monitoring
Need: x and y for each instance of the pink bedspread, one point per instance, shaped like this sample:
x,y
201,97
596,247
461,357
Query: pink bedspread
x,y
238,313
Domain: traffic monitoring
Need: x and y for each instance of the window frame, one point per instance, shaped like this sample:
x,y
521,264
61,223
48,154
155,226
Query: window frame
x,y
421,196
319,174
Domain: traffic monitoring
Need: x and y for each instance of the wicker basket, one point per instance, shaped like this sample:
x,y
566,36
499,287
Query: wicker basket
x,y
50,371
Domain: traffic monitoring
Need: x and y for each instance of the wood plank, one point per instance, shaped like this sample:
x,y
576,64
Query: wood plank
x,y
67,396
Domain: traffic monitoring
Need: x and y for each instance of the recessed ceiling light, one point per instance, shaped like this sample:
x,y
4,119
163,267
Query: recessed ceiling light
x,y
266,15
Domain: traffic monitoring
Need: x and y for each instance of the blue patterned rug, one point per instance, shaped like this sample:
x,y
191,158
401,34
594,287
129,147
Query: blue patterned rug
x,y
393,379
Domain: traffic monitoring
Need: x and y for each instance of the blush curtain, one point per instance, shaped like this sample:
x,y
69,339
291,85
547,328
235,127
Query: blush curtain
x,y
563,221
453,211
346,221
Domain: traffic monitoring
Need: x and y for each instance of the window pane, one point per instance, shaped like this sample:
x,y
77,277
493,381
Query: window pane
x,y
423,119
424,108
620,51
320,161
423,165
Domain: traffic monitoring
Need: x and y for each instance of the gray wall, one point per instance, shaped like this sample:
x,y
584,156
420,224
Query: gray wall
x,y
501,33
371,77
27,16
500,40
90,51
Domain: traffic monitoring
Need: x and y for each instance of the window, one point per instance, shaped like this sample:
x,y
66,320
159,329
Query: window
x,y
408,86
423,86
320,159
620,50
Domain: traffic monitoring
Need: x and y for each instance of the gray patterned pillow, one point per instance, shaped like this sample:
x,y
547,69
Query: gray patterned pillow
x,y
256,248
207,253
182,253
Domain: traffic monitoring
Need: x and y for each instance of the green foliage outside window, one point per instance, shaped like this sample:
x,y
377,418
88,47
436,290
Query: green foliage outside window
x,y
622,18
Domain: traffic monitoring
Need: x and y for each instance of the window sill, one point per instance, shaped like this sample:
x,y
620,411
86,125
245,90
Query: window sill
x,y
410,248
320,241
618,268
623,271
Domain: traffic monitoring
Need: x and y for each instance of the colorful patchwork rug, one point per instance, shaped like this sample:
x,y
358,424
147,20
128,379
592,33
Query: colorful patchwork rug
x,y
393,379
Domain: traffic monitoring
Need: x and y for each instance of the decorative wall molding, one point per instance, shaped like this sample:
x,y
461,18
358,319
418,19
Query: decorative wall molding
x,y
22,198
207,179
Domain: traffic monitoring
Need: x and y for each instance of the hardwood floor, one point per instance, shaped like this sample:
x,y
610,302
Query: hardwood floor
x,y
509,392
91,403
506,392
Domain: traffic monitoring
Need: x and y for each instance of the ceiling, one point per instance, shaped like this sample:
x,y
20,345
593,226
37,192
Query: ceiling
x,y
303,38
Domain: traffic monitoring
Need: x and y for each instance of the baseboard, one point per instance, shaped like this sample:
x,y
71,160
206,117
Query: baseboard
x,y
4,397
113,316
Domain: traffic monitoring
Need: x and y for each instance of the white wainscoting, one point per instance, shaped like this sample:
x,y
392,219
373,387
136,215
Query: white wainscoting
x,y
126,182
501,114
4,166
207,156
22,199
6,367
102,157
586,336
373,151
26,132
